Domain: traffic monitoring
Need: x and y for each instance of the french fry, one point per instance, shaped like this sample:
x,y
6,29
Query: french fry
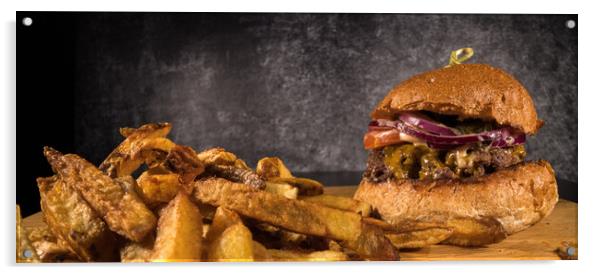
x,y
183,161
25,252
298,256
234,244
272,167
236,174
123,211
471,232
217,156
260,253
282,189
280,238
74,222
179,233
298,216
125,158
222,219
134,252
158,188
342,203
307,187
372,244
152,151
419,238
274,170
48,247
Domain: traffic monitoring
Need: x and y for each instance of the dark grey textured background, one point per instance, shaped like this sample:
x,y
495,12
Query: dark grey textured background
x,y
301,86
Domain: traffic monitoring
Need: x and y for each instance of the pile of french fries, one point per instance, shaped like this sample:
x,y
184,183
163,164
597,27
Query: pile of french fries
x,y
192,207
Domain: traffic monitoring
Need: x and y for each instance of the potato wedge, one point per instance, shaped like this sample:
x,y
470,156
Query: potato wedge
x,y
25,252
217,156
136,252
298,256
125,158
307,187
280,238
274,170
222,219
123,211
179,233
298,216
74,222
158,188
342,203
234,244
471,232
419,238
183,161
372,244
272,167
260,253
283,189
241,175
48,247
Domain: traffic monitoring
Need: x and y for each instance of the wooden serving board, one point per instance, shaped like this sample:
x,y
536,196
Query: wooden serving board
x,y
536,243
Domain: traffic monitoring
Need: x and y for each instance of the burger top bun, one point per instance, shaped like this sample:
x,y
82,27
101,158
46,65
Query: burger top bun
x,y
468,91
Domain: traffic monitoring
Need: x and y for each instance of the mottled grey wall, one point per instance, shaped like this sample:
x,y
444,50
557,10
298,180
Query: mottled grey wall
x,y
301,86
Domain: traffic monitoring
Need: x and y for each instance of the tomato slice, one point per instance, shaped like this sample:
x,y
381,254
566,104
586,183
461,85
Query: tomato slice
x,y
380,138
377,139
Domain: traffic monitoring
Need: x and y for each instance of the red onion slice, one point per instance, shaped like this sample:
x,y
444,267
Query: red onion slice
x,y
502,137
424,123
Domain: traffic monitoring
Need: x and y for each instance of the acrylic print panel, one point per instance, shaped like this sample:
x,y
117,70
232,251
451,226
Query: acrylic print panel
x,y
138,104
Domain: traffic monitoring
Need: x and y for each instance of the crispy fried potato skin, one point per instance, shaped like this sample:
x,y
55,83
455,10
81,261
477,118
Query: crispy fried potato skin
x,y
419,238
298,216
282,189
123,211
134,252
234,244
227,165
158,188
183,161
299,256
74,222
260,253
122,161
272,167
307,187
295,215
48,247
372,244
25,252
180,232
222,219
475,232
217,156
343,203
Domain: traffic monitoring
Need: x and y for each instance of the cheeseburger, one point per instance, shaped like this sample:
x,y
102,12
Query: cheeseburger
x,y
447,154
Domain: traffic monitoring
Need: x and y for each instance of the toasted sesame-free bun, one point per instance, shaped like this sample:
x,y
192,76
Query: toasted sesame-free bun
x,y
468,91
478,210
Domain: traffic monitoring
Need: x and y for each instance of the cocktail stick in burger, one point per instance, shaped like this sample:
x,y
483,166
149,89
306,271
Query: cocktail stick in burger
x,y
447,151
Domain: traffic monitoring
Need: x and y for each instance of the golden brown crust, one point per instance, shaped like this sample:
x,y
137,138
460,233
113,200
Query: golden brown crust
x,y
123,211
466,90
515,198
74,222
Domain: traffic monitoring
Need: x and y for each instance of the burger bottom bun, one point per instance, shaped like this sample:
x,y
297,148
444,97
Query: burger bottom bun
x,y
477,211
